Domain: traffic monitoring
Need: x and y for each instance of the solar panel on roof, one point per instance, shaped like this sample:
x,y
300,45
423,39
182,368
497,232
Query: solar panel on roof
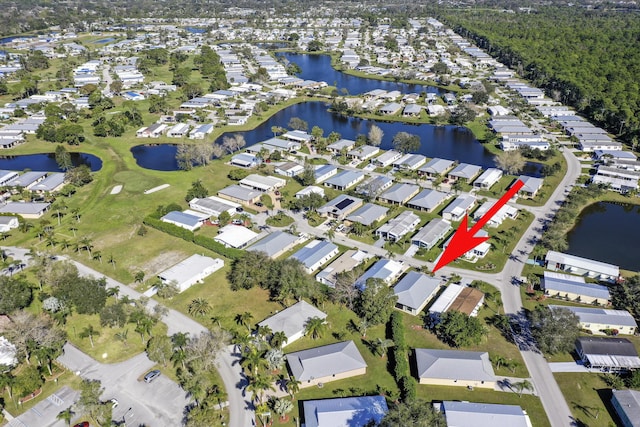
x,y
343,204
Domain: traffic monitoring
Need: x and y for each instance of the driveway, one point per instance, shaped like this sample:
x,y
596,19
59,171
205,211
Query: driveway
x,y
160,403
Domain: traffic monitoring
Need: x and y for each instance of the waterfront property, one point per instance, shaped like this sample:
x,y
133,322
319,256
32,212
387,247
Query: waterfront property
x,y
455,368
293,320
414,292
599,321
531,186
488,178
345,262
608,354
363,152
387,158
245,160
460,298
332,362
574,288
464,172
190,271
484,414
582,266
358,411
627,405
436,167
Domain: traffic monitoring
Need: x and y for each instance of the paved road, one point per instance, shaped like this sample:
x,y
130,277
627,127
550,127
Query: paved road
x,y
241,412
160,403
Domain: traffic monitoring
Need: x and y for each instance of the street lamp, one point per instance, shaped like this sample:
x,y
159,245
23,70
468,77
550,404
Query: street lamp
x,y
124,420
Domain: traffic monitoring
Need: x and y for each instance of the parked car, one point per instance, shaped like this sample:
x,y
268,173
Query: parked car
x,y
82,424
114,402
151,375
237,222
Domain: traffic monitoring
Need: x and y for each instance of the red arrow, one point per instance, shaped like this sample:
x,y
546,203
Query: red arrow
x,y
464,240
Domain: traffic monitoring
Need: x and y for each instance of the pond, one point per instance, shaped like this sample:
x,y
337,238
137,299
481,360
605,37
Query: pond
x,y
46,162
318,67
160,157
447,142
608,232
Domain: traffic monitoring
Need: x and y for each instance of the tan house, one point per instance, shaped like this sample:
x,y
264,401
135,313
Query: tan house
x,y
598,320
455,368
332,362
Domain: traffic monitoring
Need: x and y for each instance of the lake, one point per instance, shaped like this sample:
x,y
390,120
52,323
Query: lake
x,y
447,142
608,232
46,162
318,68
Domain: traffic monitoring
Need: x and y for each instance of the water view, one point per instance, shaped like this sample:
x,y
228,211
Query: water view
x,y
156,157
318,67
608,232
46,162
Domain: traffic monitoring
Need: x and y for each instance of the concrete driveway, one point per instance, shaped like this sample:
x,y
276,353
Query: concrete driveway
x,y
160,403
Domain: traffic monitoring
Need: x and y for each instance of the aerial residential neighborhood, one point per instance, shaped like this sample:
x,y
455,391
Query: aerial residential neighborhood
x,y
244,215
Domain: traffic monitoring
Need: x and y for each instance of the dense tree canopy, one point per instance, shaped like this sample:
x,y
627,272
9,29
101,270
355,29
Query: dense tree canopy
x,y
15,293
555,330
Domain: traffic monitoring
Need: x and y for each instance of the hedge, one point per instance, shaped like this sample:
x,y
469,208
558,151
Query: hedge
x,y
400,358
189,236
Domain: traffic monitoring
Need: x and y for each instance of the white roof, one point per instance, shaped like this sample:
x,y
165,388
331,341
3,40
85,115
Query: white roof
x,y
415,288
235,236
188,268
292,320
7,353
446,298
601,316
264,183
467,414
454,365
583,263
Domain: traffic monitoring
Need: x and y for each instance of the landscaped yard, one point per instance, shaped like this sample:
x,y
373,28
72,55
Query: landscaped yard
x,y
588,398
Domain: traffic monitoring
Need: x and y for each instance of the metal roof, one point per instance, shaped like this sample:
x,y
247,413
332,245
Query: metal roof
x,y
182,218
344,411
368,214
461,414
399,192
325,361
454,365
415,288
428,199
431,233
557,282
465,170
554,257
628,402
313,252
601,316
274,243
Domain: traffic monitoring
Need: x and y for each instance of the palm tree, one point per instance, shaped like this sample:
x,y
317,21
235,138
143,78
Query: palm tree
x,y
522,385
66,416
264,331
97,255
380,346
144,327
122,336
258,385
76,212
293,386
112,261
499,360
244,319
253,361
73,229
278,339
86,244
315,327
89,332
58,207
199,307
7,380
113,292
242,341
330,234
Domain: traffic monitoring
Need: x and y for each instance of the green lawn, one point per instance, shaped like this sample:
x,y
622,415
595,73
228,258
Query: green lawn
x,y
588,398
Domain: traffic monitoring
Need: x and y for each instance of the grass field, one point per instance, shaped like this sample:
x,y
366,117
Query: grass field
x,y
588,397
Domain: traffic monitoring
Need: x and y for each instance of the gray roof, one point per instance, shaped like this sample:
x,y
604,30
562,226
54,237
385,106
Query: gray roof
x,y
340,204
437,166
484,414
454,365
182,218
410,161
212,205
391,107
281,143
431,233
53,181
564,283
344,178
609,352
325,361
399,192
323,170
344,411
364,151
601,316
460,204
373,186
187,268
292,320
415,288
465,170
26,179
368,214
554,257
241,193
274,243
628,402
6,220
531,184
341,144
401,224
313,252
24,208
428,199
384,269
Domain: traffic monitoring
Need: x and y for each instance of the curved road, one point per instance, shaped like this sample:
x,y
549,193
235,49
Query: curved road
x,y
241,412
240,407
